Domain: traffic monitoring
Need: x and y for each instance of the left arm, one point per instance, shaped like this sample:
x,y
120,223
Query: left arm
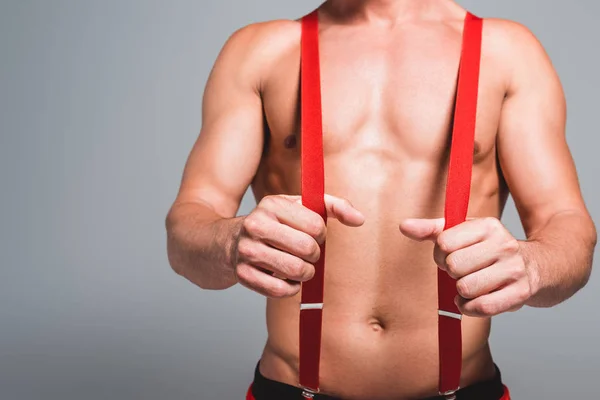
x,y
494,271
541,176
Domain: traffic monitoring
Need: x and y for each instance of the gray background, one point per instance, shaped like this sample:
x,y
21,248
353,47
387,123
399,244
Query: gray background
x,y
99,106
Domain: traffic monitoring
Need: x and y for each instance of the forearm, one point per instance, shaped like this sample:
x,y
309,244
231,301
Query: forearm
x,y
559,257
200,244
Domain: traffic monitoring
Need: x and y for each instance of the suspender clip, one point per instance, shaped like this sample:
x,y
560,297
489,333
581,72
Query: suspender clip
x,y
308,393
450,394
449,314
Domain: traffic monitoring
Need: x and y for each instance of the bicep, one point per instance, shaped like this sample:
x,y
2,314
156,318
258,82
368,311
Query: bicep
x,y
227,152
532,147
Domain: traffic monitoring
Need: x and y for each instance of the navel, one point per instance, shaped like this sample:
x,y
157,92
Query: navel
x,y
376,324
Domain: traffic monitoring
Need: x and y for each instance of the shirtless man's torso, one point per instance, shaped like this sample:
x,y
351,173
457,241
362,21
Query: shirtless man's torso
x,y
388,76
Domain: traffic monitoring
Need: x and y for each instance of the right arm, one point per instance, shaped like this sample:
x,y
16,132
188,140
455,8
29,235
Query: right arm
x,y
201,228
272,249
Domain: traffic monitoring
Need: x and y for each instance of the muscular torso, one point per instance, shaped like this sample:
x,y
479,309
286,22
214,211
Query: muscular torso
x,y
388,96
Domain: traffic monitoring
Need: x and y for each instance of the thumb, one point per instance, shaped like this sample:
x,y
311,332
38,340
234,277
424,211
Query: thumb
x,y
422,229
338,208
342,210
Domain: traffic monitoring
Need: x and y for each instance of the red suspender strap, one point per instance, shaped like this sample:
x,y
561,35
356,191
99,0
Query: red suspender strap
x,y
457,200
313,192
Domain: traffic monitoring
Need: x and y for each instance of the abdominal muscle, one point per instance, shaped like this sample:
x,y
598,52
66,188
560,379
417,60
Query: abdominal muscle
x,y
379,337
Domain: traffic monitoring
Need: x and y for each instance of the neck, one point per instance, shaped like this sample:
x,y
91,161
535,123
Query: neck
x,y
387,10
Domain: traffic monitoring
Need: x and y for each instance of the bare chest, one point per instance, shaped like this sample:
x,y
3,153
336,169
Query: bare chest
x,y
382,92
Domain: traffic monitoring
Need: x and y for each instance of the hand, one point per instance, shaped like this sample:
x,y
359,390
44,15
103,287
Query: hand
x,y
279,243
492,273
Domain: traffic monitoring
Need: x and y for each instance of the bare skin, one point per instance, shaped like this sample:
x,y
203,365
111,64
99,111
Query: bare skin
x,y
388,80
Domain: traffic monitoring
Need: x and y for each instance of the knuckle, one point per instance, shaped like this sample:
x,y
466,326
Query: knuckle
x,y
293,268
245,248
277,290
511,245
439,257
316,226
518,271
257,224
308,248
490,221
452,265
463,288
242,272
443,243
251,223
314,252
309,271
492,224
265,214
269,202
487,308
248,222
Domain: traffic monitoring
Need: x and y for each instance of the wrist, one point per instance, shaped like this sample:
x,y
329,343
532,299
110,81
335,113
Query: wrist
x,y
528,251
231,231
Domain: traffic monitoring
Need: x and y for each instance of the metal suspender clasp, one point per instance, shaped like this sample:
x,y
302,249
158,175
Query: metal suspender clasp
x,y
311,306
450,314
450,394
308,393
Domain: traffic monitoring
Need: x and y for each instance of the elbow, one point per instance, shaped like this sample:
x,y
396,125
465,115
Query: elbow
x,y
593,240
174,251
170,221
590,245
179,264
593,235
174,256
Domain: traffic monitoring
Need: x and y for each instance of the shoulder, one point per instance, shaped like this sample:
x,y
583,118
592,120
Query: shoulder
x,y
509,36
512,48
254,48
259,42
260,35
511,42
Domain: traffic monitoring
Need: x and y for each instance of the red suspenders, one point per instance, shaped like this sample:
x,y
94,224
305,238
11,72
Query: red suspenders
x,y
457,199
458,189
313,193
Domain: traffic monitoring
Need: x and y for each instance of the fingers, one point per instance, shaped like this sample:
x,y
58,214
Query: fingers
x,y
265,284
473,245
338,208
468,232
282,264
263,227
281,240
463,235
466,260
509,298
422,229
342,210
289,211
490,279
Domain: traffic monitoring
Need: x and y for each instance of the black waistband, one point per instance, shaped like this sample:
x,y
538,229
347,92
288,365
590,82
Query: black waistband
x,y
267,389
